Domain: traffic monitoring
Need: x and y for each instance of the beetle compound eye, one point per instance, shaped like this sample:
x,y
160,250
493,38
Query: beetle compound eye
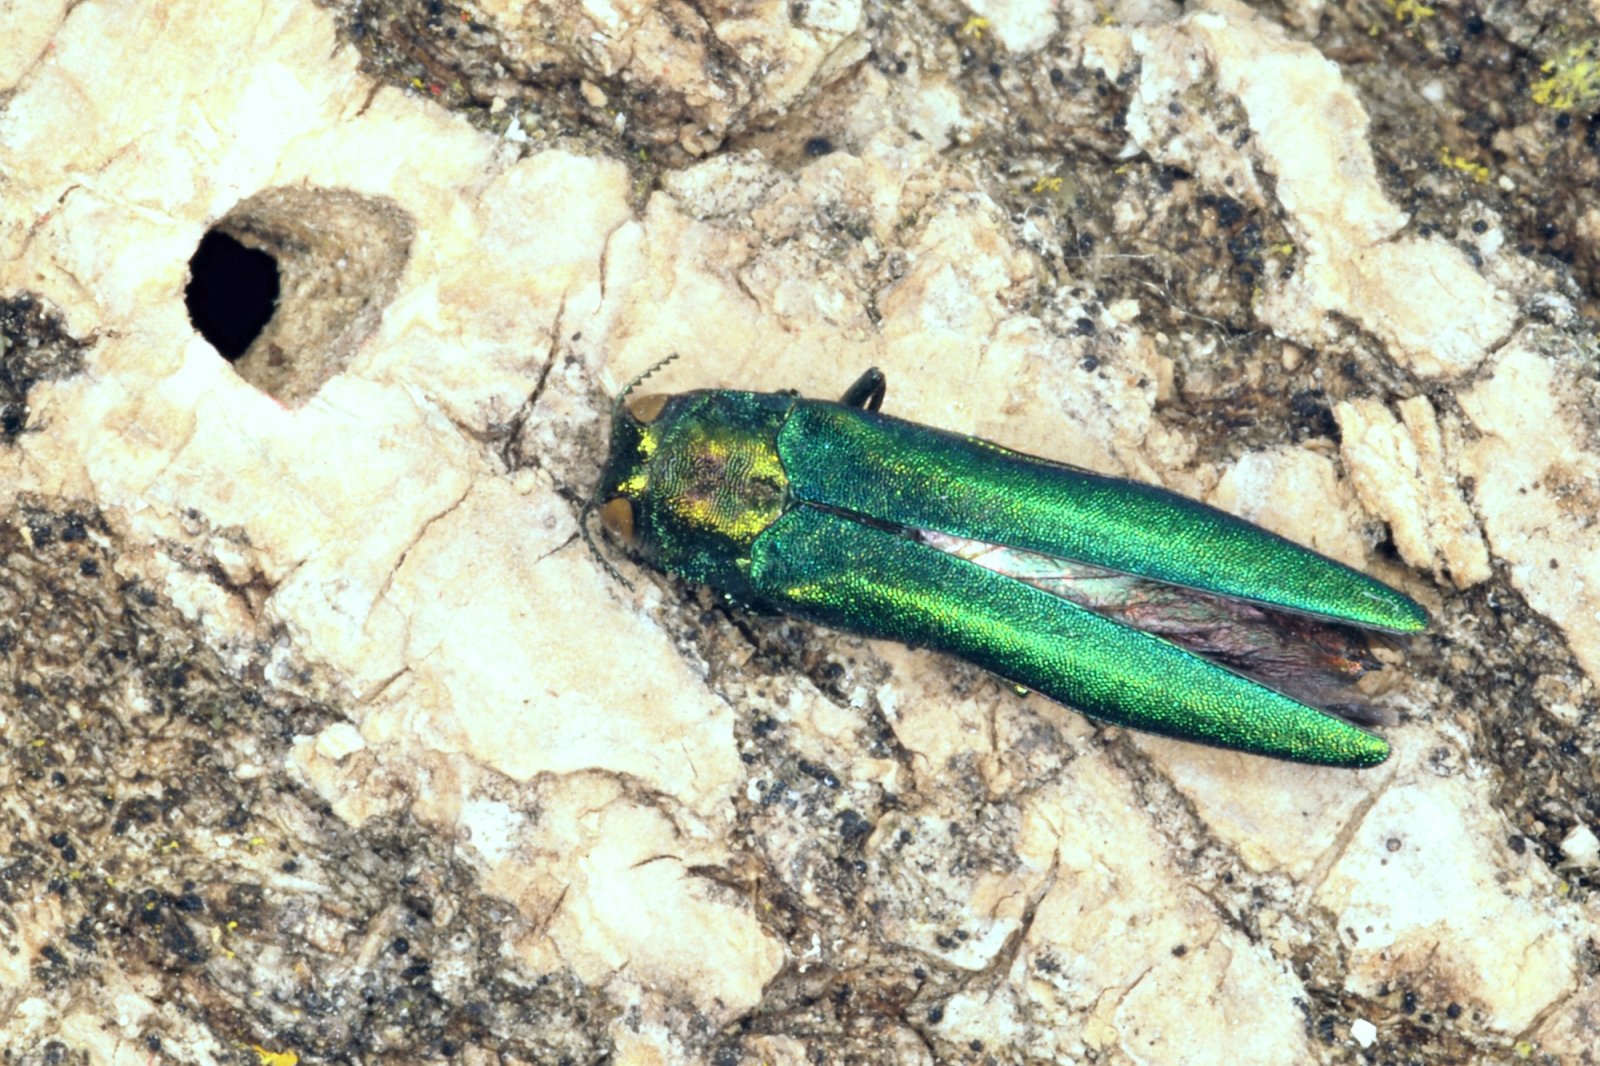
x,y
647,407
617,517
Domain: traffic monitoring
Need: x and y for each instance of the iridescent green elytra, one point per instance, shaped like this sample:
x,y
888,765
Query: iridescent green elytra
x,y
1125,601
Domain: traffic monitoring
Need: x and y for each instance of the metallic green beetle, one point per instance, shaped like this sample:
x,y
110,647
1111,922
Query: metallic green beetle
x,y
1130,603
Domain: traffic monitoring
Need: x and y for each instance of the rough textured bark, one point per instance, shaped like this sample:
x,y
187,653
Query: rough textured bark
x,y
323,737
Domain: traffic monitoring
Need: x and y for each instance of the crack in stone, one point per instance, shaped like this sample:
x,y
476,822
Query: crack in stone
x,y
388,581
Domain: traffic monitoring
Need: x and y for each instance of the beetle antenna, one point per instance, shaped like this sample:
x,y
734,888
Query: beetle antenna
x,y
630,386
594,549
593,501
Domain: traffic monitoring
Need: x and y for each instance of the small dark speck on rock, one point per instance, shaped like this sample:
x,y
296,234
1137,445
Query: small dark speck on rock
x,y
853,827
818,146
819,773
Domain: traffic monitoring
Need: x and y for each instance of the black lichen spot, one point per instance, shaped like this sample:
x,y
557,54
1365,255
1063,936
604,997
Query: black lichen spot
x,y
818,773
818,146
1229,211
853,827
34,347
1313,416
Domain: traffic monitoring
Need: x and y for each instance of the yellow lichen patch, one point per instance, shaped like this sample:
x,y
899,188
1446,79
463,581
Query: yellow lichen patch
x,y
975,26
1048,184
1410,10
1571,80
275,1058
1476,170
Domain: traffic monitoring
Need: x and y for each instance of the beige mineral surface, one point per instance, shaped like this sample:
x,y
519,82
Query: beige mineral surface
x,y
325,737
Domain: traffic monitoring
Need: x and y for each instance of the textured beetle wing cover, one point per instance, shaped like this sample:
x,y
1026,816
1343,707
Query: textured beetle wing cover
x,y
876,582
890,470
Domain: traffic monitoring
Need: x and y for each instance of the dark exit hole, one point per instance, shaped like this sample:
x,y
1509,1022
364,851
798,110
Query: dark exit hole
x,y
232,293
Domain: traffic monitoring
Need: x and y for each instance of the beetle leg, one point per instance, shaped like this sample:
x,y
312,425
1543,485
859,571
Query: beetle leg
x,y
867,392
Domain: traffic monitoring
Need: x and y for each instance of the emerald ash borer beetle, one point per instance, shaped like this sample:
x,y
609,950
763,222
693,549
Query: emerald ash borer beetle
x,y
1125,601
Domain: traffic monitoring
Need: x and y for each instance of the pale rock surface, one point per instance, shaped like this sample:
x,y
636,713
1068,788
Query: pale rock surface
x,y
1581,847
155,434
1536,474
1020,25
25,29
1398,469
1310,139
666,63
1570,1028
1417,880
671,822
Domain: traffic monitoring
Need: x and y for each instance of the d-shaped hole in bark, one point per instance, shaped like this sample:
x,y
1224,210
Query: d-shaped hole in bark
x,y
335,257
232,293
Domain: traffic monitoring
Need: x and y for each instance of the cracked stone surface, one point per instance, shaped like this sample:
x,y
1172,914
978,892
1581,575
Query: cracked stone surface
x,y
326,738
